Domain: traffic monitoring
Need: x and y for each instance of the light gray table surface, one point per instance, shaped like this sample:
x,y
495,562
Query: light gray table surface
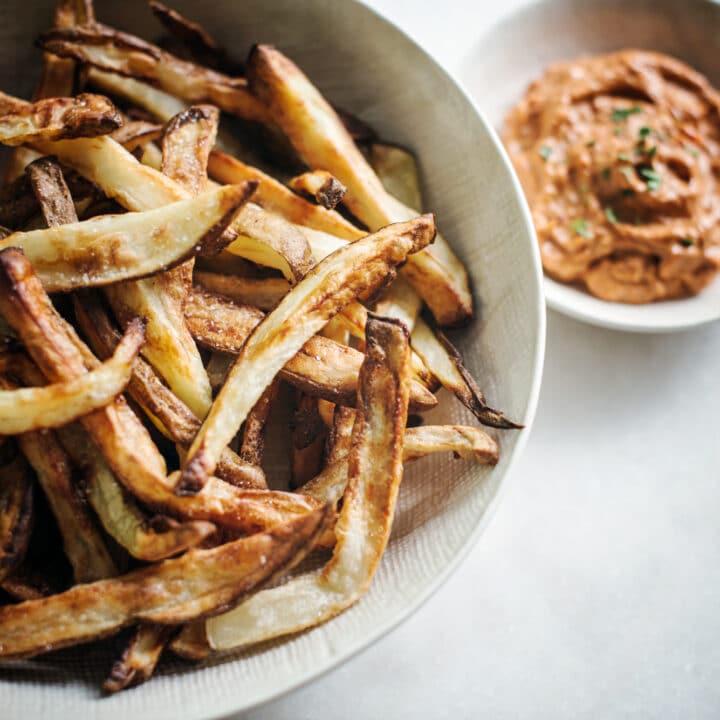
x,y
595,592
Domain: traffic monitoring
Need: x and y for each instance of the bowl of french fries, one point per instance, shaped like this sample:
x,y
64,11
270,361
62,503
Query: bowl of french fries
x,y
272,337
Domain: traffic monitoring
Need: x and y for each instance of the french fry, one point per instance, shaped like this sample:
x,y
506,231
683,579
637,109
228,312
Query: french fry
x,y
192,35
317,133
140,657
117,247
144,537
172,417
197,584
52,193
252,445
397,170
122,439
16,513
134,134
326,189
119,52
363,526
322,368
85,115
262,293
23,409
275,196
303,311
439,354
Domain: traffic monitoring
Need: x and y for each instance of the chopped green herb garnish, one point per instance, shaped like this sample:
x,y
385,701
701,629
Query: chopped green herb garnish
x,y
650,154
582,228
628,172
590,143
624,157
644,132
605,174
687,242
610,215
545,152
652,178
621,114
692,150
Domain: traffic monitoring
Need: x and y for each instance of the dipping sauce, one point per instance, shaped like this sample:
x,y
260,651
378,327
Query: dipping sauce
x,y
619,157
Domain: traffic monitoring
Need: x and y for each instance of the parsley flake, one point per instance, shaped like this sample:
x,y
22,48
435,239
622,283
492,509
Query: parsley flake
x,y
644,132
621,114
582,228
605,174
610,215
545,152
653,179
687,242
624,157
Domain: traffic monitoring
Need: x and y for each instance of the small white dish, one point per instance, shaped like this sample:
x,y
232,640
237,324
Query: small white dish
x,y
515,51
366,65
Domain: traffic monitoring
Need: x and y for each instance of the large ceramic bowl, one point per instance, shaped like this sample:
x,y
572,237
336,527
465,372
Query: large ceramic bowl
x,y
514,52
366,65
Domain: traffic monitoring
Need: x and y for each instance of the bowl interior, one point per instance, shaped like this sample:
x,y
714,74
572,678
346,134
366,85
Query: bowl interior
x,y
497,74
365,65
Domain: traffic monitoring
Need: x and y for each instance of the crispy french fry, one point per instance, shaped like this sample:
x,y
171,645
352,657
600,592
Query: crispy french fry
x,y
326,189
145,538
52,193
273,195
193,36
122,439
140,657
318,134
307,442
191,643
252,444
301,313
439,354
186,145
134,134
108,249
470,443
119,52
172,417
197,584
35,408
85,115
363,526
262,293
16,513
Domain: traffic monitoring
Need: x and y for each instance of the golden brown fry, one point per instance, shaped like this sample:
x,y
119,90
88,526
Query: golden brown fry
x,y
197,584
447,365
16,513
252,444
327,190
273,195
363,526
193,36
262,293
191,643
135,134
85,115
83,545
33,408
324,291
116,430
187,141
140,657
110,49
52,193
117,247
144,537
170,414
318,134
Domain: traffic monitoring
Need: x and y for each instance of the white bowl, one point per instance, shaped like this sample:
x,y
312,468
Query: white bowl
x,y
512,53
366,65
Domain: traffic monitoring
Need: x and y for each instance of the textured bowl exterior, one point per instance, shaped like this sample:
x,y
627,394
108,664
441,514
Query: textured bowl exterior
x,y
556,30
366,65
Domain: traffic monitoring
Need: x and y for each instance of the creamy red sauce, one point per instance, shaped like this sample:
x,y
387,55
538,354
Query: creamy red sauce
x,y
619,157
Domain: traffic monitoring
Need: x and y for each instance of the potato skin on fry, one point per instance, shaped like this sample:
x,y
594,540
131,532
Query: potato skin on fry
x,y
195,585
